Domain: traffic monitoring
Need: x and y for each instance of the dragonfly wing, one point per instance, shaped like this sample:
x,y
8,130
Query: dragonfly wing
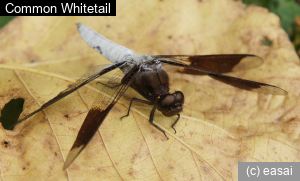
x,y
104,102
84,79
233,81
215,63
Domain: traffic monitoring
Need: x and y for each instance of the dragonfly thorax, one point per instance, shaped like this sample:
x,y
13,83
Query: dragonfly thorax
x,y
138,58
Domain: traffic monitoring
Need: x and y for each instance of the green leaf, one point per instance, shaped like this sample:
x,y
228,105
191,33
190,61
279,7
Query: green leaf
x,y
5,19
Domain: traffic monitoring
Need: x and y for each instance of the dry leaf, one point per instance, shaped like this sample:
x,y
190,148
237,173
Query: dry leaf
x,y
220,125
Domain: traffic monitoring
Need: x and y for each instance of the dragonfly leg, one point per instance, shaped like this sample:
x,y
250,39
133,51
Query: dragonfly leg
x,y
178,117
136,100
155,125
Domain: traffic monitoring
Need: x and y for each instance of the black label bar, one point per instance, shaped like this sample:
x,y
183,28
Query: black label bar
x,y
37,8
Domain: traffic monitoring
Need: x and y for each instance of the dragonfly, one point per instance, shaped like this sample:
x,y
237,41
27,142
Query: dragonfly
x,y
146,75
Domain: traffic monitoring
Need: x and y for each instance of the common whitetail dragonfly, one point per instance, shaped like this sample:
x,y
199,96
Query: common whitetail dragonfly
x,y
146,75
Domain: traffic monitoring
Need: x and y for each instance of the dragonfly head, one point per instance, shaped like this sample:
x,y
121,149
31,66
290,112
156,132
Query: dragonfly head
x,y
170,104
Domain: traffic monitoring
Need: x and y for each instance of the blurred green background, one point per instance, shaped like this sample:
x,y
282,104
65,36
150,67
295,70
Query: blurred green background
x,y
289,13
5,19
287,10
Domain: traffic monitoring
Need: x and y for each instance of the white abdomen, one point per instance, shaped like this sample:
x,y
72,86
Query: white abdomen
x,y
110,50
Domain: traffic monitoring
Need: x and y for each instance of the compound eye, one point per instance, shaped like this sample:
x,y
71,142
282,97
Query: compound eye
x,y
179,97
166,102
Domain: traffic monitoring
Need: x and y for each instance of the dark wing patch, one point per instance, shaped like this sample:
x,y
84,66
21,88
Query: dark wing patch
x,y
249,85
215,63
234,81
84,79
104,102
